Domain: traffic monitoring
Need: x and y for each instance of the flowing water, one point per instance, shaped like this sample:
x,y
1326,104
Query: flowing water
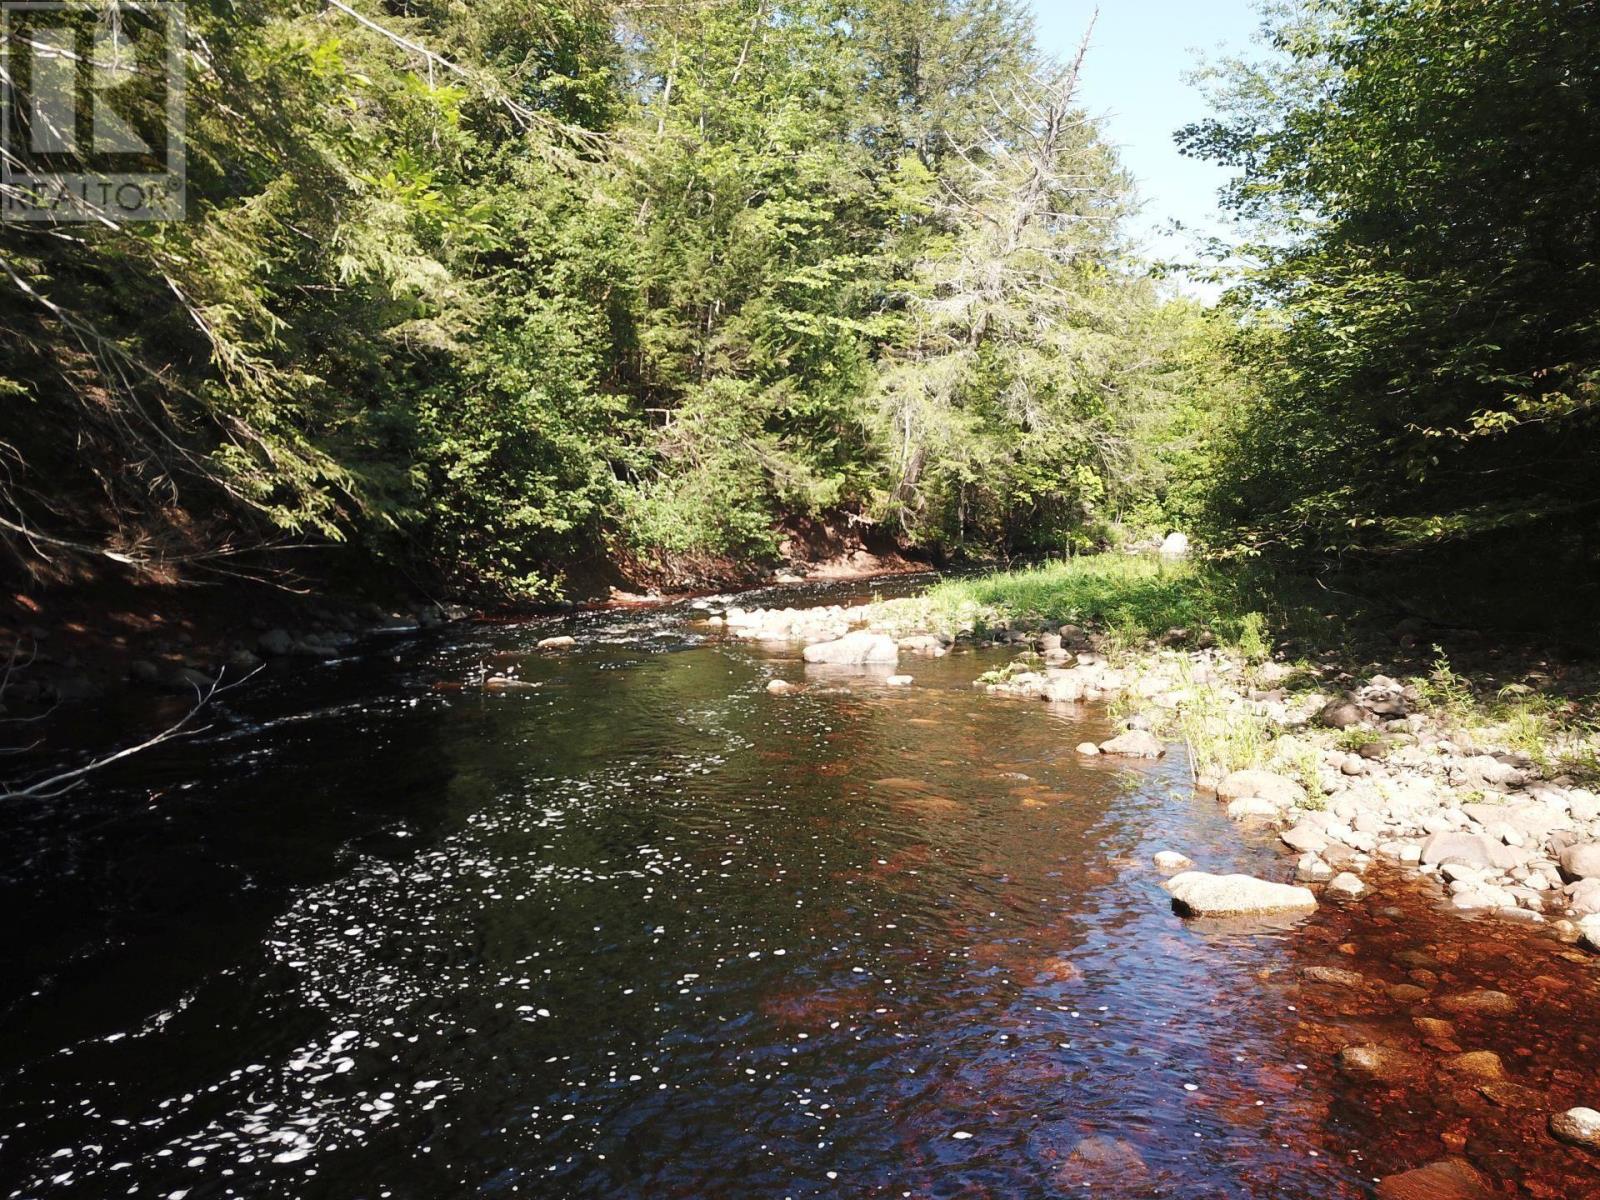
x,y
641,929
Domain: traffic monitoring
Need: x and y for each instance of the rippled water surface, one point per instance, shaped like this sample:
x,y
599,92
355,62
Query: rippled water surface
x,y
644,930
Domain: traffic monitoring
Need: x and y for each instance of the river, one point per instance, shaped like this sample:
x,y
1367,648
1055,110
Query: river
x,y
641,929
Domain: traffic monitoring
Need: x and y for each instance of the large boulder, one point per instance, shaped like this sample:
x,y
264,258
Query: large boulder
x,y
1469,849
854,650
1198,894
1276,790
1581,861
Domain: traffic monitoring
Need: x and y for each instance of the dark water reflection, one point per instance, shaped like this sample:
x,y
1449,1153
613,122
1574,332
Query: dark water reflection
x,y
645,930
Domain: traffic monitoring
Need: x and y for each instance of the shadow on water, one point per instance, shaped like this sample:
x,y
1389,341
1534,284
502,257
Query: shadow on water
x,y
640,928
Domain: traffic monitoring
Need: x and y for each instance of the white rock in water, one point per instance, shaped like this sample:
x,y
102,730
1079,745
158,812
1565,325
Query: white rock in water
x,y
854,649
1136,743
1346,884
556,643
898,681
1088,749
1176,545
1577,1127
1170,862
1198,894
781,687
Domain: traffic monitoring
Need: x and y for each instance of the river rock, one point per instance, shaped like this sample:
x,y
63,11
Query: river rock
x,y
1135,743
1577,1127
1481,1002
185,681
1170,862
1306,838
1373,1063
1101,1162
1311,869
1583,897
556,643
275,642
1337,976
1252,808
1589,933
1476,1064
1448,1179
854,650
899,681
1262,785
781,687
1088,749
1581,861
1469,849
1198,894
1346,886
1175,545
1342,713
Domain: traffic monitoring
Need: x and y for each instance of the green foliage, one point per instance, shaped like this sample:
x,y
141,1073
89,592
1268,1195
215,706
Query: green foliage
x,y
1418,189
492,290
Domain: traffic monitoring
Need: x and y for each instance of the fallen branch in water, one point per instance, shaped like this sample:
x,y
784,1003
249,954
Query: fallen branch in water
x,y
53,786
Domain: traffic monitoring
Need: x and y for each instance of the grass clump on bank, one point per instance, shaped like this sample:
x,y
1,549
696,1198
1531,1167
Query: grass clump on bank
x,y
1131,599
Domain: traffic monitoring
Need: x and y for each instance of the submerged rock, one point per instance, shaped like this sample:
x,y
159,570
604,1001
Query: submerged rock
x,y
1170,862
1198,894
1337,976
781,687
1448,1179
1102,1161
1482,1002
1477,1064
1373,1063
899,681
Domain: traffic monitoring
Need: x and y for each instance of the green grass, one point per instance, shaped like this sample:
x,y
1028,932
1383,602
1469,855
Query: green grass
x,y
1129,599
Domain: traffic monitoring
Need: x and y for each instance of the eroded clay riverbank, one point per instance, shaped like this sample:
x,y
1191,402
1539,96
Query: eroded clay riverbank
x,y
639,927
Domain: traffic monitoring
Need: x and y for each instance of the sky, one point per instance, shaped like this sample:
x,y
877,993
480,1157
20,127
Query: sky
x,y
1133,78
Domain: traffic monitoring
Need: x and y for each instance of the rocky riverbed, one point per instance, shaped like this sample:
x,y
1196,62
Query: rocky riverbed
x,y
1352,771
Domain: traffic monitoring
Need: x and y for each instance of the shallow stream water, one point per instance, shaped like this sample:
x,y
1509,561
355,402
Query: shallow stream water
x,y
642,929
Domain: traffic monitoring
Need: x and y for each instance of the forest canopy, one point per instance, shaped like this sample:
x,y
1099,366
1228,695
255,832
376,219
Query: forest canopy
x,y
489,290
491,293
